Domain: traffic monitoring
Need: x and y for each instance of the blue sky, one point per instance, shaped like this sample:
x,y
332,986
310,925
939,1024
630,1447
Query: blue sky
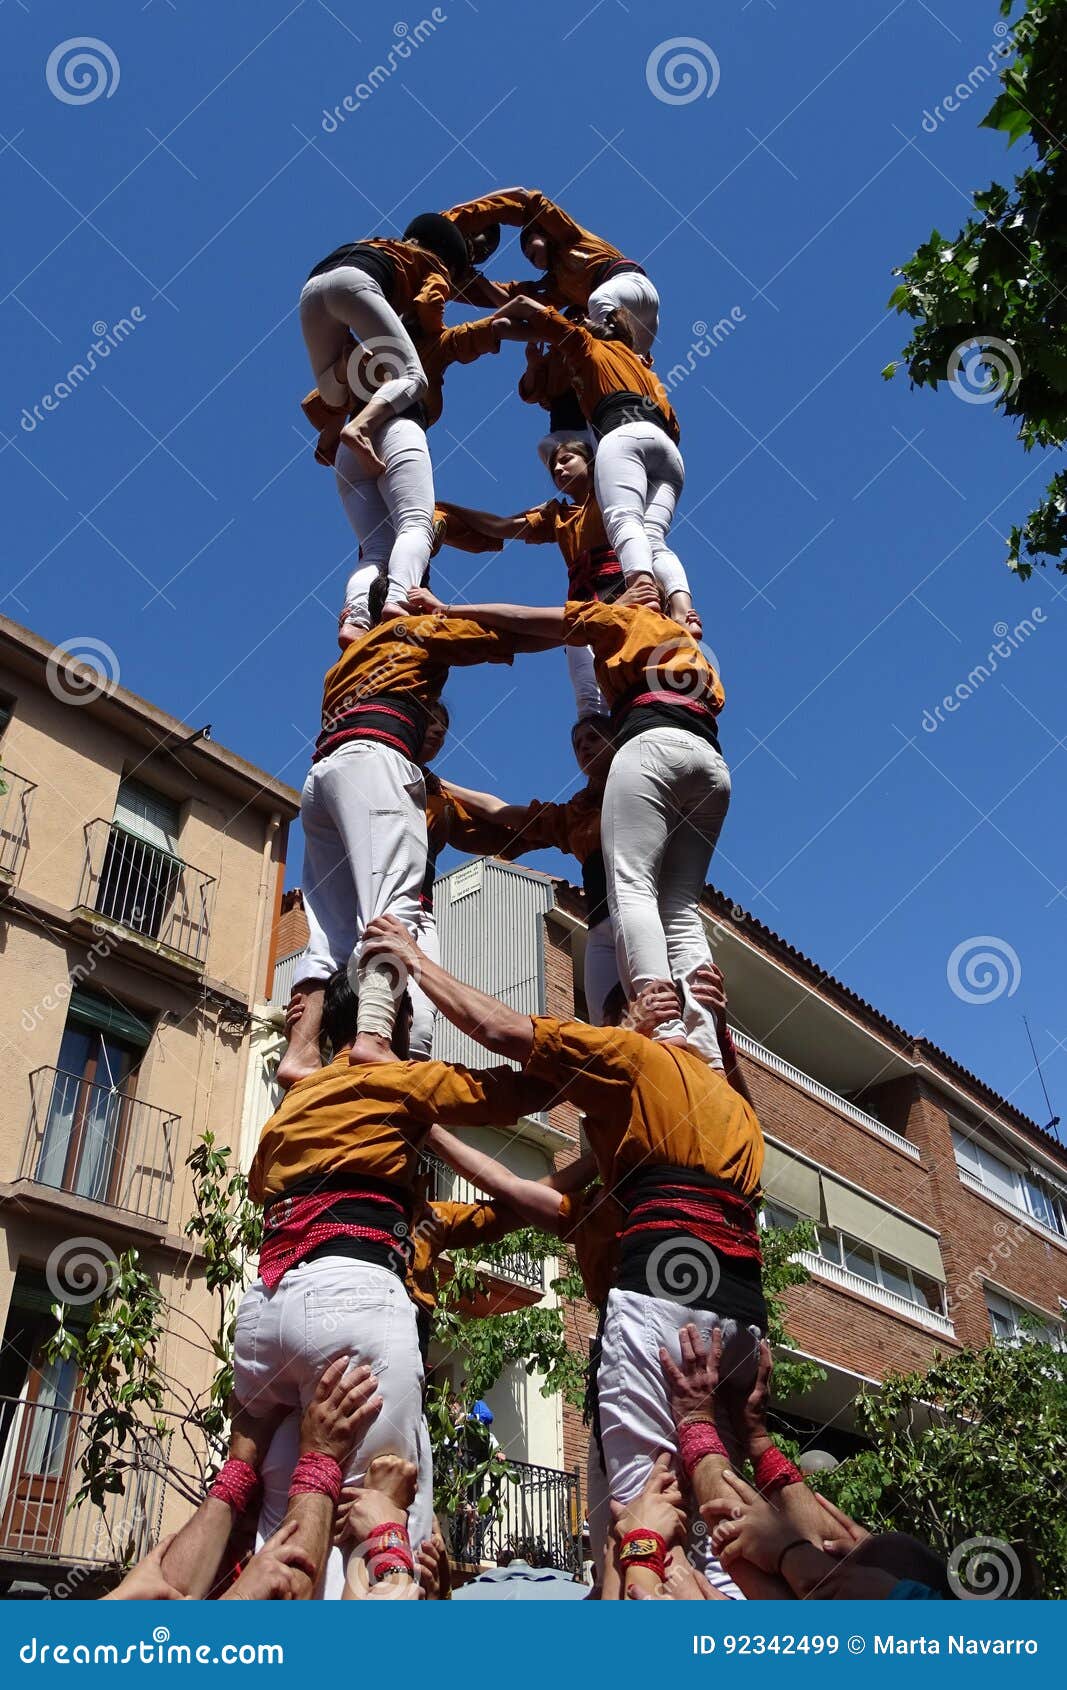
x,y
845,537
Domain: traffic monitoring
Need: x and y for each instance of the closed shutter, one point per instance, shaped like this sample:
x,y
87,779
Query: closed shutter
x,y
792,1183
147,814
87,1010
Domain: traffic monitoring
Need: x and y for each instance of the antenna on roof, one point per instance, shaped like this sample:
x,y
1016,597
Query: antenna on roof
x,y
1055,1120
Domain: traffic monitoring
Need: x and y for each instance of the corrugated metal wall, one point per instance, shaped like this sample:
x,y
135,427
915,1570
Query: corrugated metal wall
x,y
489,917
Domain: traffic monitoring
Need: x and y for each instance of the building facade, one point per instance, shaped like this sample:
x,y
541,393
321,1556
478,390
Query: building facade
x,y
141,870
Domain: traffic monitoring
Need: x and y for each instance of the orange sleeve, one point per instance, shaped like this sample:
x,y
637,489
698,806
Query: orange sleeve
x,y
476,1097
593,623
593,1066
543,827
468,341
453,640
430,301
467,833
463,1226
541,523
507,205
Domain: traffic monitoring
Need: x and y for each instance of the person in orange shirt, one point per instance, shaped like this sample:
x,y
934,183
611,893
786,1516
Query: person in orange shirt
x,y
638,473
361,292
667,791
580,268
681,1151
337,1175
363,807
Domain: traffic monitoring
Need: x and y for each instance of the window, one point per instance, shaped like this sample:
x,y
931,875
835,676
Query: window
x,y
1014,1323
7,706
87,1111
864,1260
1024,1192
142,871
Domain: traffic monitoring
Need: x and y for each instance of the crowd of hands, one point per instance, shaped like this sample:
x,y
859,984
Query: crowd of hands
x,y
793,1543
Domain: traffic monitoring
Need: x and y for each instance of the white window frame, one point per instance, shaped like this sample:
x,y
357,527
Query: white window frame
x,y
1022,1180
846,1241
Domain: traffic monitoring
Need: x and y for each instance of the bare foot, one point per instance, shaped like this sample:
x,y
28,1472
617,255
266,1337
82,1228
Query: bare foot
x,y
369,1047
359,444
296,1065
391,611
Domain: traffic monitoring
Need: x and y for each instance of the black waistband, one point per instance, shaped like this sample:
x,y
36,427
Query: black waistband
x,y
644,717
675,1268
595,888
617,267
359,255
393,719
565,411
617,409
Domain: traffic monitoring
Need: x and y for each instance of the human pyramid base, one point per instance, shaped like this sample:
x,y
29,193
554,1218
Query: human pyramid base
x,y
330,1458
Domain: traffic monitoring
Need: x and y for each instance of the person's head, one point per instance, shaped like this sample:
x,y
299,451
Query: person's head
x,y
440,236
437,726
340,1014
483,245
536,247
903,1557
616,325
593,746
570,465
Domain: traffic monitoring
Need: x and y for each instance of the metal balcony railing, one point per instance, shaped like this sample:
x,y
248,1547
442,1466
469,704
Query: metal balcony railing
x,y
16,793
146,890
100,1144
448,1187
41,1449
538,1519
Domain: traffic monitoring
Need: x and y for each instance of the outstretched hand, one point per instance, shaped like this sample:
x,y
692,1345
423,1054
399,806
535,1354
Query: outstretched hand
x,y
421,602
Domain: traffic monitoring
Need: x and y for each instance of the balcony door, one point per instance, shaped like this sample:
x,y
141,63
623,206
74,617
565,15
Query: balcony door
x,y
88,1112
141,876
40,1457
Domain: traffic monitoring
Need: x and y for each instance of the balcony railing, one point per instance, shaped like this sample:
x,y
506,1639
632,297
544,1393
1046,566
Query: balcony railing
x,y
447,1186
815,1088
835,1274
16,793
537,1519
99,1144
146,890
41,1450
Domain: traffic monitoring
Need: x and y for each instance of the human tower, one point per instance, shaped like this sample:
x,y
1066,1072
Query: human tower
x,y
661,1210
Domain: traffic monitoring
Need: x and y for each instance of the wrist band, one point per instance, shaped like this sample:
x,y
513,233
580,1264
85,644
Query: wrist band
x,y
772,1470
645,1549
316,1473
388,1550
794,1543
237,1483
697,1440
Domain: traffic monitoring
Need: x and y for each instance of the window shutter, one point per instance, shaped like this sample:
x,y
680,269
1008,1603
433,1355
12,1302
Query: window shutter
x,y
871,1224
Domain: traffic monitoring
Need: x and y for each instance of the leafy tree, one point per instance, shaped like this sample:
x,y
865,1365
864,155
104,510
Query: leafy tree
x,y
126,1385
990,301
976,1446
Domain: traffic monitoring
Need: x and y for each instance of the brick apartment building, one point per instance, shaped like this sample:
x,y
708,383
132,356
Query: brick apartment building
x,y
141,867
941,1210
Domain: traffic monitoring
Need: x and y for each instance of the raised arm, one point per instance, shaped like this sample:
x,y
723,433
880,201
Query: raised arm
x,y
484,522
481,1017
520,620
535,1203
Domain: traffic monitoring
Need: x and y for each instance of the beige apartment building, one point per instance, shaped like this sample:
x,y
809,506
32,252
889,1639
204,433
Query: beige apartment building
x,y
141,870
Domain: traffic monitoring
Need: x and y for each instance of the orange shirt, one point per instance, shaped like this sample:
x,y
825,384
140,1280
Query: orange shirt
x,y
576,529
634,647
599,368
573,827
647,1103
370,1119
409,655
545,379
459,534
589,1222
579,257
449,822
422,283
450,1226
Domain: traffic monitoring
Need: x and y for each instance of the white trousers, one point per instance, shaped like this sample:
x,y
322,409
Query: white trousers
x,y
636,1424
665,801
601,971
284,1339
423,1012
363,815
391,516
588,698
347,301
637,296
638,476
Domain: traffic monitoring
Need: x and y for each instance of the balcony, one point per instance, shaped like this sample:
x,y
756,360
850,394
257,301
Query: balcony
x,y
41,1450
815,1088
833,1273
99,1144
447,1186
536,1519
16,794
132,887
